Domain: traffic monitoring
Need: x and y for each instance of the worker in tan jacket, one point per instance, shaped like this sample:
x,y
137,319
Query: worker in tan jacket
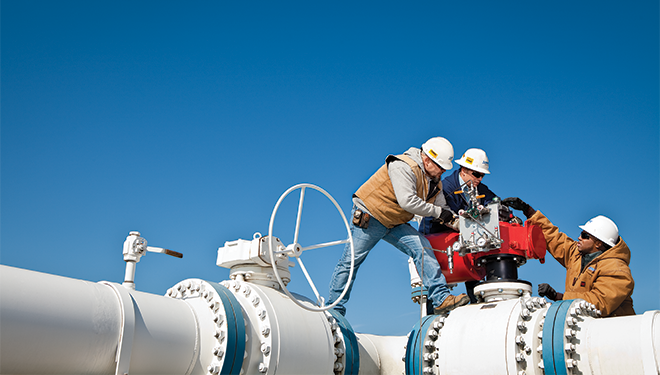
x,y
406,185
597,265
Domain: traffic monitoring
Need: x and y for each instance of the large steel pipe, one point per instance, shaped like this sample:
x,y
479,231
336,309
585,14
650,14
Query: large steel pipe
x,y
527,336
51,324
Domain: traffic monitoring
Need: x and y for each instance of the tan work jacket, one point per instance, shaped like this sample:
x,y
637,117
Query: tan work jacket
x,y
606,281
378,196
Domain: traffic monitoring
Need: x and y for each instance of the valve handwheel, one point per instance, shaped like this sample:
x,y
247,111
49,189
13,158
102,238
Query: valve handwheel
x,y
296,250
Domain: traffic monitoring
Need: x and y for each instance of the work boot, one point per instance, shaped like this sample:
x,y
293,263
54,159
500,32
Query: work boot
x,y
452,302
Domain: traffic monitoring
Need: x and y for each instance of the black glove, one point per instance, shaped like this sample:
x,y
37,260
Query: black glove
x,y
519,204
446,221
446,217
515,203
504,213
545,290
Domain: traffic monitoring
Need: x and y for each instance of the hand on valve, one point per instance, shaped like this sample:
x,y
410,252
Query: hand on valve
x,y
447,218
518,204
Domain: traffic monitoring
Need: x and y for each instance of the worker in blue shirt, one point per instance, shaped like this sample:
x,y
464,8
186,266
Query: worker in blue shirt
x,y
474,166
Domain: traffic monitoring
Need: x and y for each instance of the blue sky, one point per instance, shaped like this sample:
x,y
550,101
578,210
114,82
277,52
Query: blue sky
x,y
186,122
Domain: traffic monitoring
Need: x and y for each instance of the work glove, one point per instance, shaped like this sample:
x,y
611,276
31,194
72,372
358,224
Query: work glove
x,y
545,290
454,224
518,204
507,216
446,217
504,213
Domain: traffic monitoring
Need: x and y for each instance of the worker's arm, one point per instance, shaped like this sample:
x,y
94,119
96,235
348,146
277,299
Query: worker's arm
x,y
558,243
404,183
441,200
608,290
454,201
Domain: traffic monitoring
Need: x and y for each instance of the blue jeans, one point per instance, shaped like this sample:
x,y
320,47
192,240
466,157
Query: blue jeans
x,y
405,238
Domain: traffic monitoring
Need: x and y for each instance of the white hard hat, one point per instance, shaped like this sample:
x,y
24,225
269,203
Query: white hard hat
x,y
440,151
602,228
475,159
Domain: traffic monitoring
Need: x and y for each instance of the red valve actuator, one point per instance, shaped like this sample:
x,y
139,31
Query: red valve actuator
x,y
527,241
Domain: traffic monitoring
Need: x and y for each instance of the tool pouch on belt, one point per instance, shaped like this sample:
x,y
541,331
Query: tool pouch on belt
x,y
361,219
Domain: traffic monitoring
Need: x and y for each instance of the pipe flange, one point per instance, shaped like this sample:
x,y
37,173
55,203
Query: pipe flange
x,y
579,311
421,349
346,349
189,289
339,345
254,306
530,324
560,335
228,335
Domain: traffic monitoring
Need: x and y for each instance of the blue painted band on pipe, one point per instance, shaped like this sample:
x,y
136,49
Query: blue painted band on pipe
x,y
554,358
233,360
548,329
352,366
415,346
558,338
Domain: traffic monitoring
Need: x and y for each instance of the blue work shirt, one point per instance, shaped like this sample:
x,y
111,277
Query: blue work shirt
x,y
456,202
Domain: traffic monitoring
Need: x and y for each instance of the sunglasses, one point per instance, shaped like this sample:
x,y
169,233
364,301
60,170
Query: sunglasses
x,y
477,174
585,236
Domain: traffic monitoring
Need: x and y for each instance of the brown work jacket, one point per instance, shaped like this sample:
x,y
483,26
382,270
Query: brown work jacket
x,y
606,281
379,198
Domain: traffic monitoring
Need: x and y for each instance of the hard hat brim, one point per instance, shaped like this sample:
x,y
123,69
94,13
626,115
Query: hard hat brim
x,y
471,167
608,242
446,166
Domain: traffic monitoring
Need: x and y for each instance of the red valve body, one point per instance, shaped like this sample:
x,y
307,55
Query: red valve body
x,y
527,241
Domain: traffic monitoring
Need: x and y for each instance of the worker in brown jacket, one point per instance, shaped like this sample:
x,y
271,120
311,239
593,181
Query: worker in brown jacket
x,y
597,265
406,185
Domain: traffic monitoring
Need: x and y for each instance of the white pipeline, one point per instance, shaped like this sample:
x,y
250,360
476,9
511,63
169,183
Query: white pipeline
x,y
51,324
526,336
